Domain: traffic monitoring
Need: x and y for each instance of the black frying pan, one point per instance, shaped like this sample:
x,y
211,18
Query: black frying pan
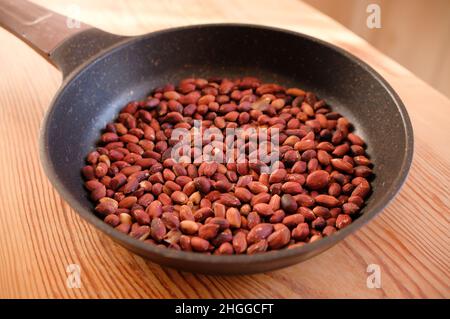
x,y
102,72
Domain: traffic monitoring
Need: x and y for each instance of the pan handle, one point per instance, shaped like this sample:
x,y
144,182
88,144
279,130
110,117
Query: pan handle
x,y
63,41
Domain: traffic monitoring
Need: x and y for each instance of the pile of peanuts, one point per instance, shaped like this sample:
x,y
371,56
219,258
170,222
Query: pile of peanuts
x,y
319,184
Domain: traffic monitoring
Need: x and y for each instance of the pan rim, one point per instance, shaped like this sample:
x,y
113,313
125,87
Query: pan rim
x,y
318,247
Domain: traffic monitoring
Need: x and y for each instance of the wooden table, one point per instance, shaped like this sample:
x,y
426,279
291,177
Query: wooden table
x,y
40,235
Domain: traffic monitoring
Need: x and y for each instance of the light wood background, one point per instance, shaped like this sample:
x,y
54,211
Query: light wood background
x,y
415,33
40,235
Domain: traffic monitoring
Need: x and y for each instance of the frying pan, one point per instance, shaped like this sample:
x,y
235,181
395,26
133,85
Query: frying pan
x,y
103,71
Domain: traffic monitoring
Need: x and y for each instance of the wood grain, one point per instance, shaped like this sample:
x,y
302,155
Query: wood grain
x,y
40,234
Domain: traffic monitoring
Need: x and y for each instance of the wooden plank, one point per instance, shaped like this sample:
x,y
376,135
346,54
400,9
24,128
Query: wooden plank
x,y
40,234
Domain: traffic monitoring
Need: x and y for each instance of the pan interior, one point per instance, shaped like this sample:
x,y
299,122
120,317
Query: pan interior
x,y
94,96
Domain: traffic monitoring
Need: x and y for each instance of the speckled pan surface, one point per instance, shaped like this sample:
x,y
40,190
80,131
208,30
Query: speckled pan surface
x,y
95,91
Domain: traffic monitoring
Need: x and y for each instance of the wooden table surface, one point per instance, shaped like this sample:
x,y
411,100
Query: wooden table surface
x,y
40,235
